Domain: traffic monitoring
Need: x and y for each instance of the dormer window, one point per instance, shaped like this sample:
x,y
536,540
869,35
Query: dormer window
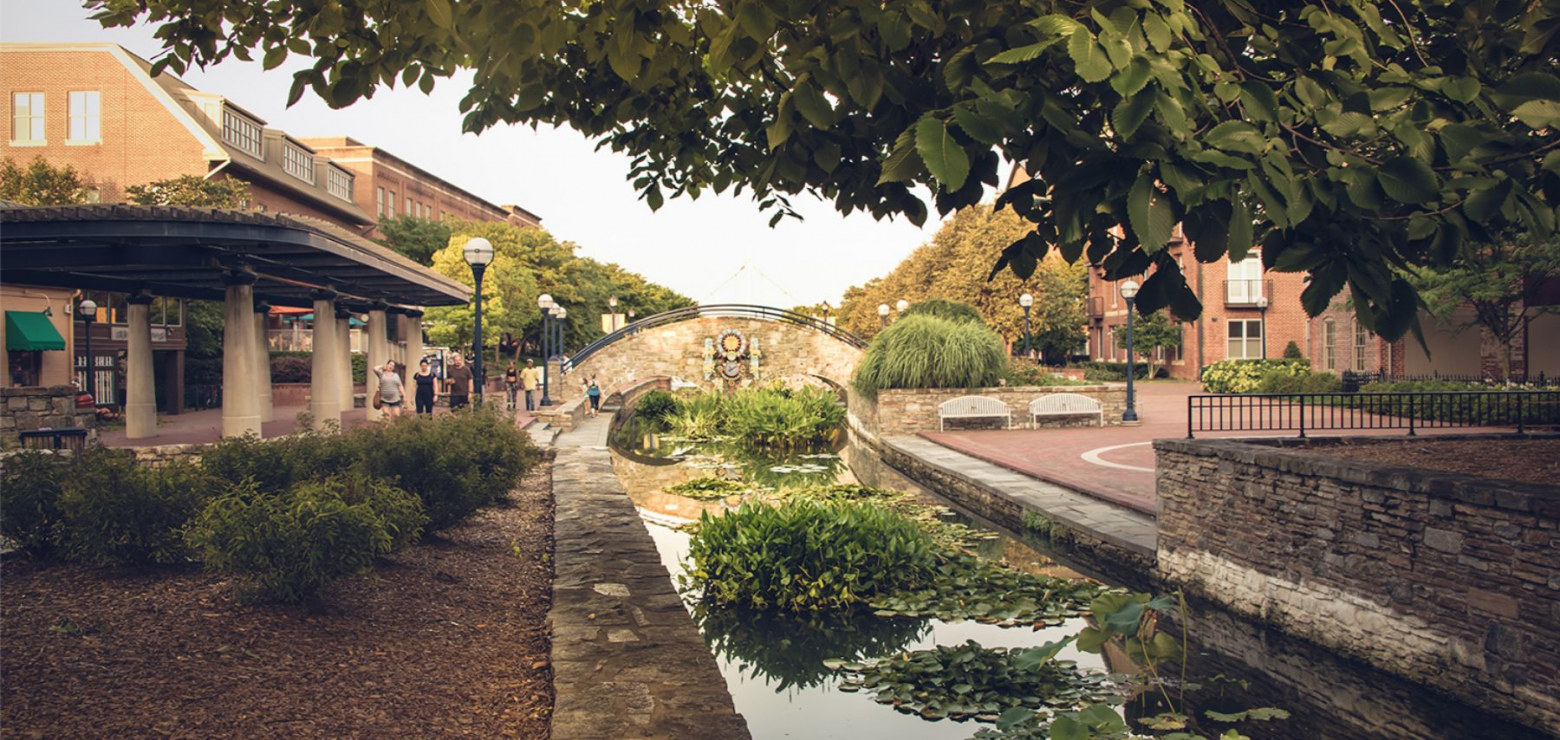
x,y
298,162
242,133
338,183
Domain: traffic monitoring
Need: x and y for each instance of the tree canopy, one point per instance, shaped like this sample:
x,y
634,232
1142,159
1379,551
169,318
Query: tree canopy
x,y
1350,140
40,183
191,190
1500,285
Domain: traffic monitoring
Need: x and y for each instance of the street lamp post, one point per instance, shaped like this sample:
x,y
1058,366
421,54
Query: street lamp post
x,y
883,313
1262,304
1026,300
88,310
902,305
612,305
478,254
1129,290
545,303
825,313
563,316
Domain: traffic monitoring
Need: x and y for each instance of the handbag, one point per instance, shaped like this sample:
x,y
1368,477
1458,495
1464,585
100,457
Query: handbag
x,y
378,401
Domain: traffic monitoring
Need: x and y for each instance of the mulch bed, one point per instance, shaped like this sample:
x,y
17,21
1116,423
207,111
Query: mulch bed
x,y
448,640
1530,460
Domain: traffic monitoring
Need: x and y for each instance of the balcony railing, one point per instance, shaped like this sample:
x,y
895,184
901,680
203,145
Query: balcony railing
x,y
1247,292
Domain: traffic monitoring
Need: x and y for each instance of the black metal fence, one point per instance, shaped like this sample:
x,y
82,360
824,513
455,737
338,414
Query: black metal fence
x,y
1307,412
1536,381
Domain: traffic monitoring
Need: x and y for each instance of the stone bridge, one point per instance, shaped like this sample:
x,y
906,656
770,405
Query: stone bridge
x,y
791,348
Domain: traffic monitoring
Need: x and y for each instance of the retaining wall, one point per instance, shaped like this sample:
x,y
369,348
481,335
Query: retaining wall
x,y
912,410
36,407
1450,580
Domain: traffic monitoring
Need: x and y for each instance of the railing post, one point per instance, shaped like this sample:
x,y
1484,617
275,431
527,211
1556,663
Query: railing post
x,y
1302,417
1519,412
1411,415
1189,416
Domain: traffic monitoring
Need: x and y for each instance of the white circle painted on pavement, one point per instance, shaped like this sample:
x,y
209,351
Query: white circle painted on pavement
x,y
1093,456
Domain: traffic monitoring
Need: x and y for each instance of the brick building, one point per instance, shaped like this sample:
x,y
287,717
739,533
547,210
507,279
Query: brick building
x,y
1248,313
389,187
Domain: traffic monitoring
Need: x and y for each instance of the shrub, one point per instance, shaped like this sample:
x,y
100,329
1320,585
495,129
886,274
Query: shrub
x,y
1283,381
1099,371
291,369
292,544
1017,373
807,556
930,352
1244,376
779,417
30,500
945,309
655,405
277,464
454,464
1292,351
114,511
698,416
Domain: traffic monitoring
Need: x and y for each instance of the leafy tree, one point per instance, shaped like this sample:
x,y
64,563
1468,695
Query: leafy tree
x,y
1348,140
416,238
955,266
1150,332
1500,282
943,308
191,190
40,183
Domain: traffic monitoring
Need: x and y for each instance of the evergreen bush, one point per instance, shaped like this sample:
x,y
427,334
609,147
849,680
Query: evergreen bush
x,y
114,511
1245,376
655,405
930,352
945,309
30,500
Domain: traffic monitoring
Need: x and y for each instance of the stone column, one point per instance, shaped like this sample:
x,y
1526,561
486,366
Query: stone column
x,y
140,383
240,396
414,342
263,361
324,377
378,347
344,358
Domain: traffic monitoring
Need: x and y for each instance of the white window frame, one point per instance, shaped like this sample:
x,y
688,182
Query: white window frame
x,y
390,211
1361,343
1249,343
338,183
36,119
298,162
243,133
86,108
379,200
1245,280
1330,344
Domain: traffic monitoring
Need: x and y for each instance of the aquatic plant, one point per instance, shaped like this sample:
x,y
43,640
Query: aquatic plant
x,y
709,488
966,587
655,405
930,352
768,417
971,681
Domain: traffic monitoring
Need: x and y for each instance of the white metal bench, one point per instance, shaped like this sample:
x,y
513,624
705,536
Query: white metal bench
x,y
1066,404
973,407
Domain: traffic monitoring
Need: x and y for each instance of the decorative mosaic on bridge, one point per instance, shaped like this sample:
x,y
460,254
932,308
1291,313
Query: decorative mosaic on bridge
x,y
732,358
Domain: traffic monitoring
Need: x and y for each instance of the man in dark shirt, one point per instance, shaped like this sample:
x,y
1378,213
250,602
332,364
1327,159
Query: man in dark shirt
x,y
458,382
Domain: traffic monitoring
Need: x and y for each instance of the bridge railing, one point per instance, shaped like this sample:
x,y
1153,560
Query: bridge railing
x,y
716,310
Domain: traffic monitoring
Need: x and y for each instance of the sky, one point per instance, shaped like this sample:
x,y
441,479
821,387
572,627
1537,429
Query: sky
x,y
694,247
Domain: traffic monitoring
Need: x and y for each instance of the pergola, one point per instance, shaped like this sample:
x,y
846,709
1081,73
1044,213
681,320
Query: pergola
x,y
247,260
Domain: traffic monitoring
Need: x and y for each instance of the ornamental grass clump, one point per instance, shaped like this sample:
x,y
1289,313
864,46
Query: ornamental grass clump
x,y
930,352
781,417
806,556
655,405
945,309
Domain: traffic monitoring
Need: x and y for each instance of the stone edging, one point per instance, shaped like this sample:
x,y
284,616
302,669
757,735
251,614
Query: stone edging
x,y
1291,456
628,661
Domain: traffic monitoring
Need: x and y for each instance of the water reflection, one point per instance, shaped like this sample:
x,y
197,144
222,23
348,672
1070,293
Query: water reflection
x,y
787,652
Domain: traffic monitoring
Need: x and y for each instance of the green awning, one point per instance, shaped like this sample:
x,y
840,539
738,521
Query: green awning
x,y
31,331
354,321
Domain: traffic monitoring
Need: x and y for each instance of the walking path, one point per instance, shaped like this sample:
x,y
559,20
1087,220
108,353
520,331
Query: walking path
x,y
627,658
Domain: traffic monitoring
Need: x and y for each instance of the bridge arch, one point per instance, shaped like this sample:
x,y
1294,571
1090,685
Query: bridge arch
x,y
793,348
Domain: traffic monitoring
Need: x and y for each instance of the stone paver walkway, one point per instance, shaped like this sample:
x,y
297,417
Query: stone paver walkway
x,y
1129,530
628,661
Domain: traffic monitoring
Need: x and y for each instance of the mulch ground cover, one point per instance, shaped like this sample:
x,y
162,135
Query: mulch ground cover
x,y
1532,461
448,640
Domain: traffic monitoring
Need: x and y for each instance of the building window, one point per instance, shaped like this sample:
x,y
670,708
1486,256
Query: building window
x,y
27,118
390,210
298,163
85,117
1245,283
1361,338
1245,339
242,133
1330,344
379,201
338,183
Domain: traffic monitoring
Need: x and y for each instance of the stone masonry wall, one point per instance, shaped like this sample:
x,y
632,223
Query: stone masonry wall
x,y
1445,579
912,410
789,351
54,407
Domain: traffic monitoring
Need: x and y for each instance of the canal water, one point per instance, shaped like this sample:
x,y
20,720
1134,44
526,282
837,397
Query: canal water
x,y
773,664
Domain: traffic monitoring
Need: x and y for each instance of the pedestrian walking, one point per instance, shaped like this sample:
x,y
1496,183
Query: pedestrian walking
x,y
390,389
593,392
530,380
457,382
426,387
512,383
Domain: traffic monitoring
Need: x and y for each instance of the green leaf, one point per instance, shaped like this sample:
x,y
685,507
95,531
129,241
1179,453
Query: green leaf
x,y
1461,89
1351,123
1235,136
813,105
943,156
1130,80
440,13
1130,114
1311,92
1259,101
1153,219
979,127
1387,98
1241,231
274,57
1483,205
1089,59
756,20
1533,98
903,162
866,87
1408,180
1157,30
1067,728
1460,139
1022,54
